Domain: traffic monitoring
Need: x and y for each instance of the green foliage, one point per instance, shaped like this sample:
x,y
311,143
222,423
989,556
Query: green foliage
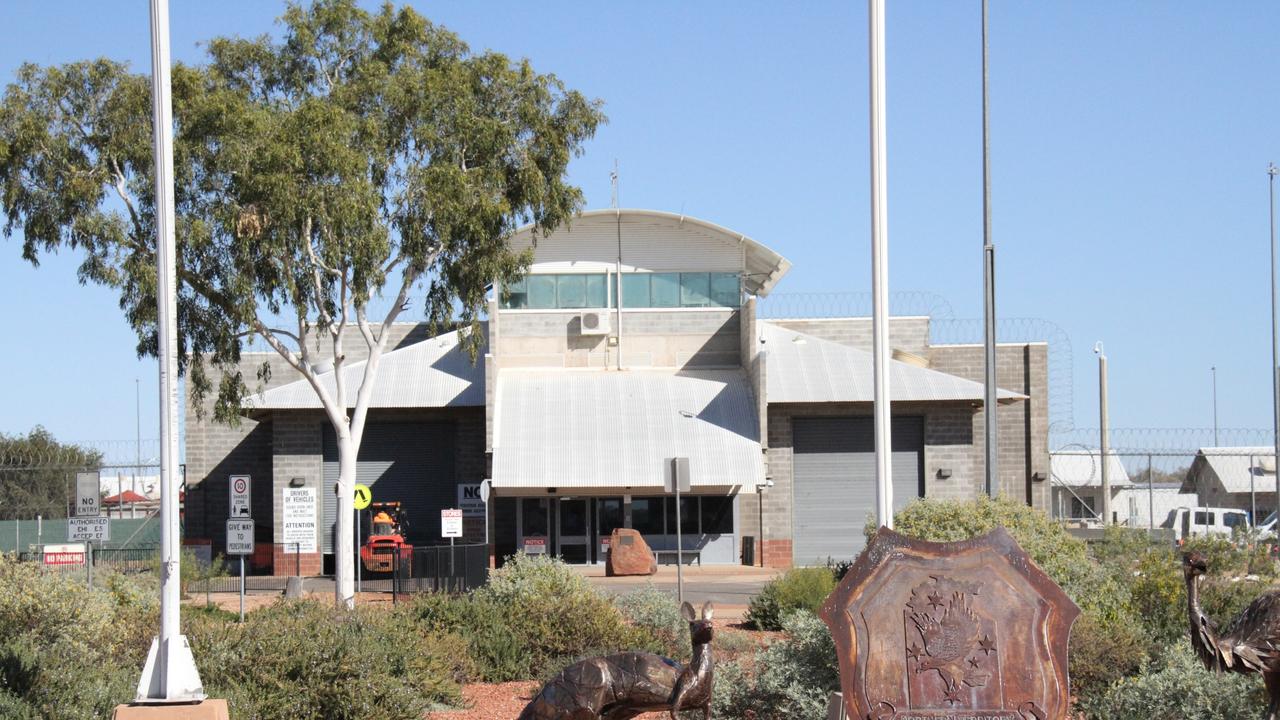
x,y
1064,558
1102,653
657,613
350,153
797,589
67,652
33,474
1176,689
791,678
304,660
535,616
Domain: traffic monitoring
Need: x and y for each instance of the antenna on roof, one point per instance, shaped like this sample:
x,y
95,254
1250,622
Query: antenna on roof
x,y
613,180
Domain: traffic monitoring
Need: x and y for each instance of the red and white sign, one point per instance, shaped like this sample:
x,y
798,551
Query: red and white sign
x,y
604,544
63,555
239,486
451,522
535,546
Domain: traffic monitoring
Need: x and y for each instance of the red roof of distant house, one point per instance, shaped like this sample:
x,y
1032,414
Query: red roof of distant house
x,y
128,496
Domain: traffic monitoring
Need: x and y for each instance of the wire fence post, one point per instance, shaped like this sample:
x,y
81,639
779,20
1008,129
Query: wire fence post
x,y
297,560
1151,498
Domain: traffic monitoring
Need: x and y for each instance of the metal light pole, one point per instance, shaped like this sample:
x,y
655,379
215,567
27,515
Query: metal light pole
x,y
1214,370
1272,170
880,267
170,674
1103,422
990,426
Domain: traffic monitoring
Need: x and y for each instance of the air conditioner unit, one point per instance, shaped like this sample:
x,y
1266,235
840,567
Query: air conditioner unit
x,y
594,323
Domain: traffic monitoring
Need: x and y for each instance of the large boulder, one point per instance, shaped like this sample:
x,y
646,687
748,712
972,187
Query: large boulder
x,y
629,554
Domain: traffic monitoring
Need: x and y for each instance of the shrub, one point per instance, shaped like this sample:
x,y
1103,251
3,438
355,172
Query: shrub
x,y
798,589
1102,654
658,614
1064,558
305,660
1179,688
792,677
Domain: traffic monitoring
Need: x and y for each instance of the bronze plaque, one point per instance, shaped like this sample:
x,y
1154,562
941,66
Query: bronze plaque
x,y
969,630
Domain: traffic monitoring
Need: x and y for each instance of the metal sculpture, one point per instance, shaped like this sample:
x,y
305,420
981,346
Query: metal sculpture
x,y
970,629
624,685
1251,644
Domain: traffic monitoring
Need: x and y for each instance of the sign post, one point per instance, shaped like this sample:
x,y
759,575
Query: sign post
x,y
87,524
363,496
677,480
451,527
240,542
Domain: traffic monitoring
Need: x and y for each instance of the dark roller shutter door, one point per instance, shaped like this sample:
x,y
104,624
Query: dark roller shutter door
x,y
834,474
408,462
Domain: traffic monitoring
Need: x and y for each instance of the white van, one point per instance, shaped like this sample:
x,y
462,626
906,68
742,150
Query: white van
x,y
1203,521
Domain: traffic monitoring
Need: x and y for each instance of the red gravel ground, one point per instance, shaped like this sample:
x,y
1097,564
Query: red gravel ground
x,y
503,701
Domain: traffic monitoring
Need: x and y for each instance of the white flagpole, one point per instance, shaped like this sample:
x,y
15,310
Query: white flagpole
x,y
880,267
170,674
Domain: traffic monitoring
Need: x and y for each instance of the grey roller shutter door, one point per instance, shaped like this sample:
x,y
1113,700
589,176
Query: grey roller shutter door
x,y
834,482
408,462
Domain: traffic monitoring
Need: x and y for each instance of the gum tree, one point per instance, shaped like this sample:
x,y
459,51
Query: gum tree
x,y
358,159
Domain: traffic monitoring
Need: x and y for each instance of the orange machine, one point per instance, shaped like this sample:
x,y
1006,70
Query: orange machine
x,y
385,539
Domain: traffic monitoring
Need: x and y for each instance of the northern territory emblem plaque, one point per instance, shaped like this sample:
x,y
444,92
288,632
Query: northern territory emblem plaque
x,y
970,630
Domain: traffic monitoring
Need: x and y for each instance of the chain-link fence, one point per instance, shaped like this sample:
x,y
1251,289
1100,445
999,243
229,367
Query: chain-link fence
x,y
1212,490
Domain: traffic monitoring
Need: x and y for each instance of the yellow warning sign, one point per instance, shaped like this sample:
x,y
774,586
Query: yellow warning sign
x,y
364,496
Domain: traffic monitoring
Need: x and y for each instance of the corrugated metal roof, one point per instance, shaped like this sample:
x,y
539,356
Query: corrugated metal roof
x,y
1084,469
597,428
1239,468
432,373
804,368
692,244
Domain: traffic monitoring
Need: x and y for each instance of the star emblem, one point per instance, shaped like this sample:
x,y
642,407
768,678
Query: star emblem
x,y
914,652
987,645
973,662
935,600
952,696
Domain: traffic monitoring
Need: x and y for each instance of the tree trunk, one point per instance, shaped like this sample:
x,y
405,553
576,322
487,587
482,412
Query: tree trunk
x,y
344,558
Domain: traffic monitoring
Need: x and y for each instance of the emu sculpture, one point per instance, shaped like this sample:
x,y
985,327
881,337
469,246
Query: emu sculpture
x,y
624,685
1251,644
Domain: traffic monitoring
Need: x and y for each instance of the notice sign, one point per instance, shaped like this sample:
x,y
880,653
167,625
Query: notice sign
x,y
87,495
535,546
63,555
239,537
239,485
299,519
451,522
470,500
93,529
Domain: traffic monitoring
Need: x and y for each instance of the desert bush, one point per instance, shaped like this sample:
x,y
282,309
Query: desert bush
x,y
303,660
798,589
1101,654
658,613
791,679
68,652
1178,687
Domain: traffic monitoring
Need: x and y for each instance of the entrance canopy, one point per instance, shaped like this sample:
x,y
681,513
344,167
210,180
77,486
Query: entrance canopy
x,y
611,429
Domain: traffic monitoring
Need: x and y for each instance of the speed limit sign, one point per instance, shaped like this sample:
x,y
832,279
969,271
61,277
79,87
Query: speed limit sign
x,y
239,485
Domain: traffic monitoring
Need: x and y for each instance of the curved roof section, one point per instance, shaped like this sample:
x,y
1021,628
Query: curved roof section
x,y
763,267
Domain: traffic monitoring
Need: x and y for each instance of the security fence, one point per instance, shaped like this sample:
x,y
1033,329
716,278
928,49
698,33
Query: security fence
x,y
440,568
1225,486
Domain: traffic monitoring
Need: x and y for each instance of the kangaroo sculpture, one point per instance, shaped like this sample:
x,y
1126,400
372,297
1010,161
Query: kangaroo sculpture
x,y
624,685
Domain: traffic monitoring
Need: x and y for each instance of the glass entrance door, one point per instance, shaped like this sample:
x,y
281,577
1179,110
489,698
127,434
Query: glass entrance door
x,y
573,535
608,516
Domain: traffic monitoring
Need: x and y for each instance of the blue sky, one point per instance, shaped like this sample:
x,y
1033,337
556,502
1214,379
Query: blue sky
x,y
1129,148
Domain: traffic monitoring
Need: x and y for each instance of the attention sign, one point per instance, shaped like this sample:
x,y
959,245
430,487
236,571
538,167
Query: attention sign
x,y
299,511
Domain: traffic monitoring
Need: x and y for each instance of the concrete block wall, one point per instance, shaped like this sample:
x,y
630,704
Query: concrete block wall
x,y
1024,426
677,338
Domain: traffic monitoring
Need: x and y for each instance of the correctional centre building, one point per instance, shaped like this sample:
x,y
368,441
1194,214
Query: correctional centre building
x,y
634,338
